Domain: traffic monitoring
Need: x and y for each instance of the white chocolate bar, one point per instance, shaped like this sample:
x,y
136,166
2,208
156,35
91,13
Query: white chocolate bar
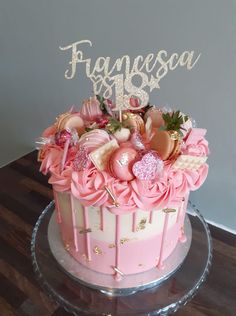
x,y
101,155
189,162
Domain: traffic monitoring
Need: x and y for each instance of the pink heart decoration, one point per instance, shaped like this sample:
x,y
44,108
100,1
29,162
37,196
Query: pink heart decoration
x,y
149,167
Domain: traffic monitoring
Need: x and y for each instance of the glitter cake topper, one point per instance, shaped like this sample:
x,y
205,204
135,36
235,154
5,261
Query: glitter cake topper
x,y
108,79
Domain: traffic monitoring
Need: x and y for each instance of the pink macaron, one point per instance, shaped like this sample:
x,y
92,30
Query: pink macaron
x,y
70,121
121,163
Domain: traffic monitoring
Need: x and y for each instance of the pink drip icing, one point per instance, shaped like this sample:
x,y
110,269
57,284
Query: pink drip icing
x,y
150,217
118,277
160,262
101,217
183,238
117,242
63,161
134,222
86,235
183,208
180,208
73,212
58,217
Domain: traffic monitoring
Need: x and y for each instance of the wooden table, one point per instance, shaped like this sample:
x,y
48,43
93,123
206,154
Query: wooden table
x,y
24,193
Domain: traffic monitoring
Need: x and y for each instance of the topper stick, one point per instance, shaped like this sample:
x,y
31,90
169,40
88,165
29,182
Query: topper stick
x,y
119,93
120,115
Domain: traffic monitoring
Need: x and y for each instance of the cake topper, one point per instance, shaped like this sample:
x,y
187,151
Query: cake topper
x,y
126,78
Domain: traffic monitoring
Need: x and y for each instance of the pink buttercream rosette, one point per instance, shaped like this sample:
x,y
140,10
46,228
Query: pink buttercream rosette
x,y
88,185
51,163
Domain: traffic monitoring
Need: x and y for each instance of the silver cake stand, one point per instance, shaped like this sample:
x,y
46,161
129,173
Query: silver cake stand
x,y
156,292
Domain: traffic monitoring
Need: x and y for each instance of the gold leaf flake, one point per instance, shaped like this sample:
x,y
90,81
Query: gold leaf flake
x,y
112,196
123,240
142,224
169,210
85,231
118,271
97,250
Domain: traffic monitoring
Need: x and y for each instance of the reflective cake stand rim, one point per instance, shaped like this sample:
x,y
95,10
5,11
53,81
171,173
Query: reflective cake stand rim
x,y
105,283
173,307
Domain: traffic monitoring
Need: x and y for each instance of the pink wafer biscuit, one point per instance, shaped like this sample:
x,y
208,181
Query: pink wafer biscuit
x,y
195,135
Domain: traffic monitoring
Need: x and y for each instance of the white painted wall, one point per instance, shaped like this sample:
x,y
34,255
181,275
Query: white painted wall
x,y
34,91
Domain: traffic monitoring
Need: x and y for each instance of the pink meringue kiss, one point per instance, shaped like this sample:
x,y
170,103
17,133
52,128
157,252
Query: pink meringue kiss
x,y
70,121
94,139
90,110
121,163
156,116
149,167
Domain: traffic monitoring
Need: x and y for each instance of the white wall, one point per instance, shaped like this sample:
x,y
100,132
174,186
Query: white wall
x,y
34,91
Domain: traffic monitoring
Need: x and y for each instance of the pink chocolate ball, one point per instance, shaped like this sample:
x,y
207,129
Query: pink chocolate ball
x,y
121,163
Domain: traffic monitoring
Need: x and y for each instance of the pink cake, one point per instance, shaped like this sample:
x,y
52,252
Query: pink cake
x,y
121,187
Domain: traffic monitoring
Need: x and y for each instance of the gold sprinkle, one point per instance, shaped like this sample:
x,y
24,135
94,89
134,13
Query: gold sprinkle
x,y
123,240
85,231
169,210
142,224
118,271
112,246
112,196
174,135
97,250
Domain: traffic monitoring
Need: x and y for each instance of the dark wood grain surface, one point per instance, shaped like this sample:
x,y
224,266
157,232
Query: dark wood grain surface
x,y
24,193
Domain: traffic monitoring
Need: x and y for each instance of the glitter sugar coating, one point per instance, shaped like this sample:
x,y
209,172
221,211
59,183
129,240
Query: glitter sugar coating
x,y
149,167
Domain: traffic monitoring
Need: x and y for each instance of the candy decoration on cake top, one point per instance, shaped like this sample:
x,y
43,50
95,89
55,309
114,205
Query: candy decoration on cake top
x,y
150,157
